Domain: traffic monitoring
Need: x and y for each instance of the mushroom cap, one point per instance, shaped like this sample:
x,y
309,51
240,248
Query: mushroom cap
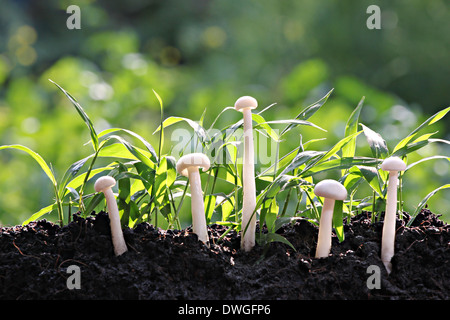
x,y
103,183
245,102
393,164
330,189
192,160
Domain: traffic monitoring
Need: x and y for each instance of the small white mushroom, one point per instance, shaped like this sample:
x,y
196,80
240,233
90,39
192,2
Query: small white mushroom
x,y
245,104
188,166
393,165
331,190
104,184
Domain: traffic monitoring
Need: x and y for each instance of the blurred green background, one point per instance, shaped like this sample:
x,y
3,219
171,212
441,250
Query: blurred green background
x,y
201,54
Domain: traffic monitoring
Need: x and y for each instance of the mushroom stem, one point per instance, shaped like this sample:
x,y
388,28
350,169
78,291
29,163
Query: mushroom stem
x,y
388,237
114,219
104,184
393,165
197,206
249,188
326,220
331,191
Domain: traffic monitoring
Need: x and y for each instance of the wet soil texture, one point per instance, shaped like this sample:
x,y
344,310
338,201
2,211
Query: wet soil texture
x,y
37,261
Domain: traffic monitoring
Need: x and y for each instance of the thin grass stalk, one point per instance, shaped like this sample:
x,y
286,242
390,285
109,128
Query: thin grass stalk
x,y
286,203
86,178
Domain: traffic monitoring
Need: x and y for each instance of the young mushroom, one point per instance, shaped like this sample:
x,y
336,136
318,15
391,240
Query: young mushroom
x,y
393,165
104,184
188,166
245,104
331,190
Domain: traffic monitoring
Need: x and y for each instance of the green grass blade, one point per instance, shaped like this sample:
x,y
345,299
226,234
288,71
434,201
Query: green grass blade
x,y
70,174
40,213
36,157
338,146
161,134
83,115
424,202
351,128
308,111
433,119
417,144
134,134
426,159
134,151
198,129
261,122
79,180
339,164
338,220
294,123
376,143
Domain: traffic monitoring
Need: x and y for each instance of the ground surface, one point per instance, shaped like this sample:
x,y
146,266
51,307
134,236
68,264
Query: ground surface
x,y
35,260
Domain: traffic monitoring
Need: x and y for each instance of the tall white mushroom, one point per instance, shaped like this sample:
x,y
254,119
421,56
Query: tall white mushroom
x,y
393,165
331,190
104,184
245,104
188,166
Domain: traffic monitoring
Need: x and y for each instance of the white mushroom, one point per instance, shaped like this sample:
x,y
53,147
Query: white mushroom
x,y
393,165
104,184
245,104
188,166
331,190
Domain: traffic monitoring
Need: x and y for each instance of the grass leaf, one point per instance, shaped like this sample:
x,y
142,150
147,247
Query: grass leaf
x,y
36,157
83,115
198,129
424,202
351,128
338,220
376,143
40,213
308,111
134,134
433,119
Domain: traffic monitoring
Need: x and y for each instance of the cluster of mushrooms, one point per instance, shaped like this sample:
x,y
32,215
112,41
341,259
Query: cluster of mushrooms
x,y
331,190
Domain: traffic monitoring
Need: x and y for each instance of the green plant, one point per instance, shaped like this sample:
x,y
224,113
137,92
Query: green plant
x,y
149,186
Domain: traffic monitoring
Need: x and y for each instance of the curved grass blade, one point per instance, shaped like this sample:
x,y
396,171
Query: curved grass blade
x,y
134,151
308,111
134,134
324,157
340,164
426,159
294,123
416,145
161,134
36,157
338,220
433,119
83,115
40,213
376,143
198,129
351,128
424,202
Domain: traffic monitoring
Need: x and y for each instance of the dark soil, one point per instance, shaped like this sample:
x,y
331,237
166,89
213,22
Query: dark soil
x,y
173,264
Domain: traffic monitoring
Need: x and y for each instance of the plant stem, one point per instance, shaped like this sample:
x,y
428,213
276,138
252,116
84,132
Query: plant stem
x,y
286,203
86,178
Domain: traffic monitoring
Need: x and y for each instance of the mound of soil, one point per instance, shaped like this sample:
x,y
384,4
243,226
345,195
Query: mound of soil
x,y
36,262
